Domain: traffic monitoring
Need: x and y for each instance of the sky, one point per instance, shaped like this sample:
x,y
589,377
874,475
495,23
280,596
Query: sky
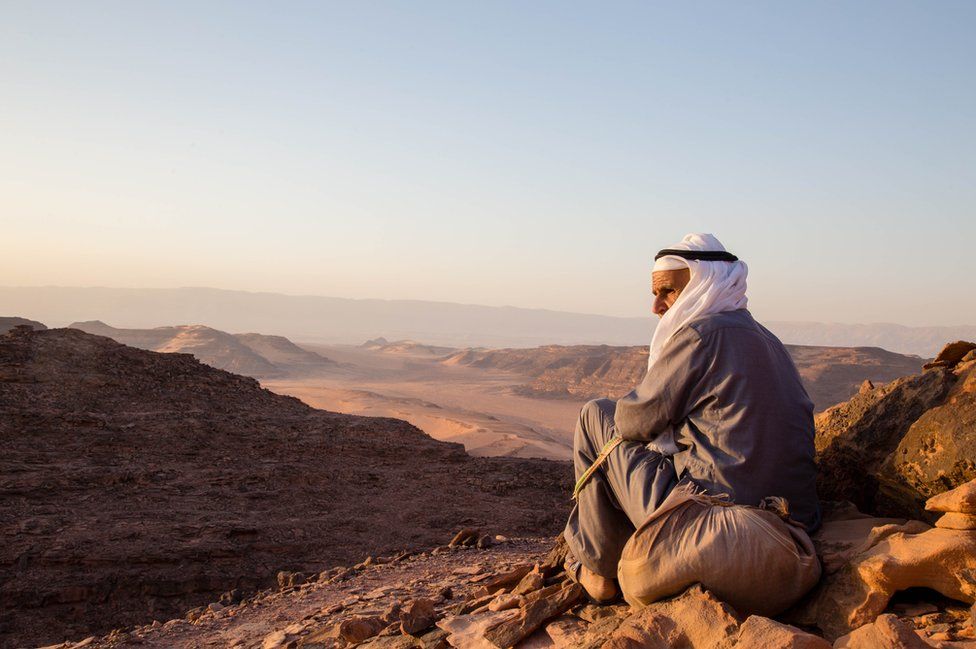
x,y
502,153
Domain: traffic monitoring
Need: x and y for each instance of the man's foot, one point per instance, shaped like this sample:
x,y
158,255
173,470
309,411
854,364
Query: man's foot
x,y
599,588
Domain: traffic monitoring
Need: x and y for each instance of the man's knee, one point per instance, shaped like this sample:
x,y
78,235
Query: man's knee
x,y
602,409
595,417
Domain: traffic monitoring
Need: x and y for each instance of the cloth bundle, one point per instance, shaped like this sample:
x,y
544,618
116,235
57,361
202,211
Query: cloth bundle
x,y
755,559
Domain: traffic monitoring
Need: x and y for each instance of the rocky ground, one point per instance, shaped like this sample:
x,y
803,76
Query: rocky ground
x,y
136,485
151,504
513,592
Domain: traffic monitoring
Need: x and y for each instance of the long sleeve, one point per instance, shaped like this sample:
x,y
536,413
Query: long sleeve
x,y
661,399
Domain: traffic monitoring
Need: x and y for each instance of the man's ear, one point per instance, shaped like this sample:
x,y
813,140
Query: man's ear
x,y
681,278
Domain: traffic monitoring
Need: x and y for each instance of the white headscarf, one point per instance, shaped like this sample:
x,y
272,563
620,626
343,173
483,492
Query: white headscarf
x,y
714,287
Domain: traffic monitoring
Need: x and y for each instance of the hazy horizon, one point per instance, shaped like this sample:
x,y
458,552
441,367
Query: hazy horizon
x,y
310,318
650,318
498,154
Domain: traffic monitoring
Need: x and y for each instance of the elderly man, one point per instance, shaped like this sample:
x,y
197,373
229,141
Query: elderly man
x,y
721,406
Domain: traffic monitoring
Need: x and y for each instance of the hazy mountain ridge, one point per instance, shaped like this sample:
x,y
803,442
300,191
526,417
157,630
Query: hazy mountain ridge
x,y
250,354
347,321
406,347
830,374
8,323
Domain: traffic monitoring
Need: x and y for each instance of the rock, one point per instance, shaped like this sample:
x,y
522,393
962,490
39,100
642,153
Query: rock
x,y
503,581
600,632
273,640
854,439
554,561
465,536
962,499
595,612
952,354
417,615
694,619
759,632
886,632
954,521
505,601
358,628
938,452
231,597
530,582
855,593
566,631
468,630
288,579
546,605
485,542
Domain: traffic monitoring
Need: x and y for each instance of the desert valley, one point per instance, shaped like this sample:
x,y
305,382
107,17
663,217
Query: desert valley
x,y
156,498
518,402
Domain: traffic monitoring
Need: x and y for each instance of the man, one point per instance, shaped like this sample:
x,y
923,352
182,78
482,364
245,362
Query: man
x,y
721,406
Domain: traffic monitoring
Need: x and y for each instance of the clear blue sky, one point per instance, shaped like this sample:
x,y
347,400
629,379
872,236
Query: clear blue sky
x,y
531,154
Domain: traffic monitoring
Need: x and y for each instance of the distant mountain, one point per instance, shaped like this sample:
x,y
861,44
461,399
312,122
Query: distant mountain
x,y
830,374
922,341
347,321
8,323
406,347
250,354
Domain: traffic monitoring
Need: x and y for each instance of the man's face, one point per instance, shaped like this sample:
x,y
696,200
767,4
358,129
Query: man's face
x,y
666,285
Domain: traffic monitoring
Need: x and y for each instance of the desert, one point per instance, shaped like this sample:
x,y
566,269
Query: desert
x,y
131,529
487,325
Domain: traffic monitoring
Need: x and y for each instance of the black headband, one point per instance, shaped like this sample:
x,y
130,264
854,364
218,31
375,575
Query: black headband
x,y
697,255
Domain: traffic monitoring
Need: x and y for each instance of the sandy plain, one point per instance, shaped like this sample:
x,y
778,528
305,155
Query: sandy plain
x,y
471,406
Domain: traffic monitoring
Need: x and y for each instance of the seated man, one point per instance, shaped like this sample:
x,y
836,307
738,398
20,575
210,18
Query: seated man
x,y
721,406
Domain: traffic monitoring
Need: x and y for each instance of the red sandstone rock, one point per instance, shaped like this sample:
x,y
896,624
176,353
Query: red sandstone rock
x,y
886,632
962,499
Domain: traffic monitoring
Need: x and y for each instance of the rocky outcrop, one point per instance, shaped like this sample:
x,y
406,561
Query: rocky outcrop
x,y
939,450
891,447
867,561
136,485
8,323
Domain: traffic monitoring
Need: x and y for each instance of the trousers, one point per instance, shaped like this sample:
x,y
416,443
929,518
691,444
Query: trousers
x,y
619,497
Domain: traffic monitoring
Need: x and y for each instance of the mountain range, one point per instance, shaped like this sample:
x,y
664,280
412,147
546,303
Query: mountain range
x,y
348,321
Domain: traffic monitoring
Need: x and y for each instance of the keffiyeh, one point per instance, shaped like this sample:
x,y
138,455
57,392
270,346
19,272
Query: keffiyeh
x,y
714,287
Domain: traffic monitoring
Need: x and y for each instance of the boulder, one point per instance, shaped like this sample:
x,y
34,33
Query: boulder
x,y
417,615
359,628
695,619
886,632
565,631
865,573
854,439
954,521
759,632
937,453
961,499
952,354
